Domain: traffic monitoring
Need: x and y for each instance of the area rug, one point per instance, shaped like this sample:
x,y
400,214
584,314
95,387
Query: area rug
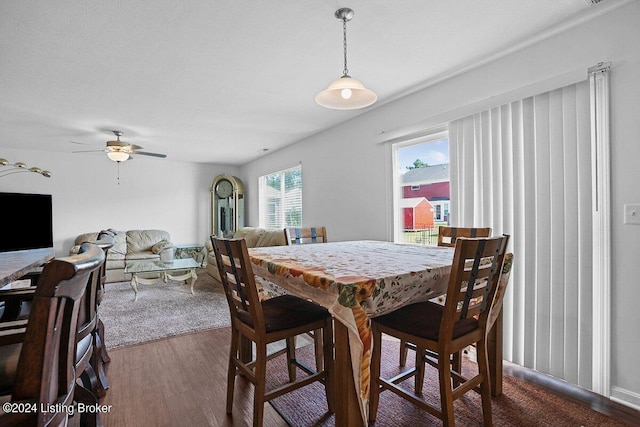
x,y
520,404
161,310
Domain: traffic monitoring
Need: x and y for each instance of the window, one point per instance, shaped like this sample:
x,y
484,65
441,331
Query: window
x,y
422,193
280,195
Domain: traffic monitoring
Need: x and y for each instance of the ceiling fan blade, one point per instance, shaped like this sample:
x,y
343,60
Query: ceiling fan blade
x,y
91,151
135,147
144,153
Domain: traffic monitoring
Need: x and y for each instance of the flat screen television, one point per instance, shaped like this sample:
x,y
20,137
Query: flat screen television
x,y
27,221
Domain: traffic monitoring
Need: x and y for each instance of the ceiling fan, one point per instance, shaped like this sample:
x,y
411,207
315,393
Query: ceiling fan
x,y
120,151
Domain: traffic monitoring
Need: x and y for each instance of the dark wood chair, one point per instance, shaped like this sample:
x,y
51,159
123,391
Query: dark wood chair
x,y
279,318
447,237
303,235
445,330
37,357
100,355
91,381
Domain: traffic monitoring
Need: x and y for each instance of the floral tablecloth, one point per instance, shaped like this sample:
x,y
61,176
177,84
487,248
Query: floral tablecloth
x,y
355,281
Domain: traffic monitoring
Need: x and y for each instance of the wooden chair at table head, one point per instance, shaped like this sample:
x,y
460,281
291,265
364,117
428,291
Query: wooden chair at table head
x,y
275,319
447,235
46,343
445,330
303,235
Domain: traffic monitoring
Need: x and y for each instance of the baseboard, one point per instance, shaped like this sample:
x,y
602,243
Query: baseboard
x,y
626,397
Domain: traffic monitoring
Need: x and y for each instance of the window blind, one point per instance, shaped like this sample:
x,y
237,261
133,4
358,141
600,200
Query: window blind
x,y
280,198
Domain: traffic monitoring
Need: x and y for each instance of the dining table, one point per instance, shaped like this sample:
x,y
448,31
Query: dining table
x,y
16,264
355,281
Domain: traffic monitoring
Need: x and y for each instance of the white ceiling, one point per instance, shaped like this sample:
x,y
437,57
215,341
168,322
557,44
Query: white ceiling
x,y
220,80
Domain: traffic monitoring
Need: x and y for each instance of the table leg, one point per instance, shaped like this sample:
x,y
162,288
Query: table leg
x,y
134,285
347,405
191,274
494,352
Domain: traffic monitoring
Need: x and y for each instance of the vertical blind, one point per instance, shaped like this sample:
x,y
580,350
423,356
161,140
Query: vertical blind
x,y
524,169
280,198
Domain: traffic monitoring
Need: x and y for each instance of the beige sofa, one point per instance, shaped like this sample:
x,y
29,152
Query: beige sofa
x,y
130,245
255,237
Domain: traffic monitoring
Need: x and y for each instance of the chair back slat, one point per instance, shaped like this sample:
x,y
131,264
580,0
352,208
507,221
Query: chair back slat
x,y
237,279
447,236
305,235
474,279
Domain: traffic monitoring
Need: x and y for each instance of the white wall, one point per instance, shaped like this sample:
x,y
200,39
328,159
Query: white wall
x,y
347,172
153,194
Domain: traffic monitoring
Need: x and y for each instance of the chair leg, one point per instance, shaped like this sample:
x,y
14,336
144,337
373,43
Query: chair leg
x,y
291,356
446,393
328,358
420,368
260,383
102,384
317,342
231,372
82,394
403,353
374,391
103,348
485,385
456,365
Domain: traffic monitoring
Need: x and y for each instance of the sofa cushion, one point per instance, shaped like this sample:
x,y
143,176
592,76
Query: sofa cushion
x,y
272,237
143,240
113,264
142,255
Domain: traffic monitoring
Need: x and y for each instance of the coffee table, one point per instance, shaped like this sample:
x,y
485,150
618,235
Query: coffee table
x,y
176,269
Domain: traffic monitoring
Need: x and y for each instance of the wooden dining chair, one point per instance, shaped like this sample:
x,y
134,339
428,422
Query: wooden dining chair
x,y
447,237
303,235
275,319
444,330
37,356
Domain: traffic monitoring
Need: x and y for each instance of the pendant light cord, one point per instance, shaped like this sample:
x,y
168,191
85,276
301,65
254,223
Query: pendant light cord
x,y
344,33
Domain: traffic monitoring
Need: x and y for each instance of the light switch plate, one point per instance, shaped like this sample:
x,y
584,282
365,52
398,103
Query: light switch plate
x,y
632,214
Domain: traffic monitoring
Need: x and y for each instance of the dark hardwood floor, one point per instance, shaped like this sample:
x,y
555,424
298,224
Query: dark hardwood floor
x,y
178,381
181,381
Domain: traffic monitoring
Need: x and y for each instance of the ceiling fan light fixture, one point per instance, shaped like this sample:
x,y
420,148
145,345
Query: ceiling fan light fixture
x,y
118,156
345,93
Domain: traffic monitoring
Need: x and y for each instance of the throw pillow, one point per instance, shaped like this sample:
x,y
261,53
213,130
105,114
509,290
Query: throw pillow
x,y
161,246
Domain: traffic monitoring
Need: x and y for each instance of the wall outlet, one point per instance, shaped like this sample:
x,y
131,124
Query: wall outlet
x,y
632,214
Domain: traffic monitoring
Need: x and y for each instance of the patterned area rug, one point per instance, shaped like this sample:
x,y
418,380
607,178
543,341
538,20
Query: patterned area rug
x,y
162,310
521,404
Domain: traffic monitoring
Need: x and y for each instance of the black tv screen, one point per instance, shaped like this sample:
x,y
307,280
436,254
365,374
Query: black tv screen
x,y
27,221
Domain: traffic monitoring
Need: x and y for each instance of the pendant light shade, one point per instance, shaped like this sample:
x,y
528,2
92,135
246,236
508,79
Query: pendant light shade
x,y
345,93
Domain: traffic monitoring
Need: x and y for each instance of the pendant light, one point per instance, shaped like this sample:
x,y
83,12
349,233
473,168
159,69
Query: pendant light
x,y
345,93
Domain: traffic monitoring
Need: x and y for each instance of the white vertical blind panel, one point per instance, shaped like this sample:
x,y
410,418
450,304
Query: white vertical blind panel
x,y
558,321
543,231
585,239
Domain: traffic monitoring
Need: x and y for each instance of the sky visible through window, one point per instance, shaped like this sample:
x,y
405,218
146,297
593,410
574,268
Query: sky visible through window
x,y
432,153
